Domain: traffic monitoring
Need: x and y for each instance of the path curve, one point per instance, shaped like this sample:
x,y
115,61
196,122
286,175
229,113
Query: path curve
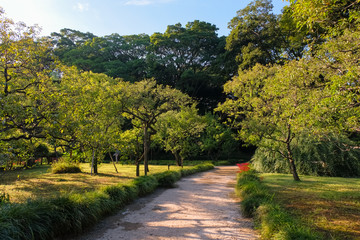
x,y
202,206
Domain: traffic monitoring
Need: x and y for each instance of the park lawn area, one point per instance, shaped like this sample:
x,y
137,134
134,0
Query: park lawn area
x,y
39,182
327,204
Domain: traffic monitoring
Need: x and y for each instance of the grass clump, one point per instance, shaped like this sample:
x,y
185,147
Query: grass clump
x,y
4,198
168,179
145,185
272,219
63,166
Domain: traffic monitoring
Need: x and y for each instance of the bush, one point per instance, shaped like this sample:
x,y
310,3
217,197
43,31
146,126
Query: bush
x,y
167,178
62,166
145,184
4,198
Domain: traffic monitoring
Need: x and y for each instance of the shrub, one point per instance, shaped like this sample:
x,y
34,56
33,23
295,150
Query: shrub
x,y
4,198
145,184
65,167
167,178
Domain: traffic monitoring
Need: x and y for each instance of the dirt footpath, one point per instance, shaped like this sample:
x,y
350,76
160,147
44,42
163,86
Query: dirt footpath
x,y
201,207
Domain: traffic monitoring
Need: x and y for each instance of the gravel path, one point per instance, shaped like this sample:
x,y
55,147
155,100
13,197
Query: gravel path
x,y
201,207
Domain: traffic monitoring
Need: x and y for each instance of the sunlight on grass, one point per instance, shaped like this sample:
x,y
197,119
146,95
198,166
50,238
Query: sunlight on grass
x,y
331,205
39,182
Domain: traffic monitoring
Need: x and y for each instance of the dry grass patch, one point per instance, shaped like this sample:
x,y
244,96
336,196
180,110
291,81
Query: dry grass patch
x,y
39,182
330,205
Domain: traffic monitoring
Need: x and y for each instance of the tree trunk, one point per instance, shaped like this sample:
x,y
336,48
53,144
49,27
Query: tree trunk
x,y
113,162
138,168
146,149
56,154
177,158
94,164
181,162
292,163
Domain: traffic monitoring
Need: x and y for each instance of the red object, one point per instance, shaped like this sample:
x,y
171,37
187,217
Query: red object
x,y
244,167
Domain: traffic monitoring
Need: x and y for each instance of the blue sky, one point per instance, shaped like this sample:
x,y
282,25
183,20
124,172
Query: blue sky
x,y
125,17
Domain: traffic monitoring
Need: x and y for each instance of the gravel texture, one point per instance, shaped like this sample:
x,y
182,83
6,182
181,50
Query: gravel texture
x,y
202,206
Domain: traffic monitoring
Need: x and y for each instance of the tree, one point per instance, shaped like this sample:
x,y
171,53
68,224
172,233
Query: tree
x,y
217,139
255,35
115,55
87,113
145,102
25,66
326,17
318,93
179,132
184,58
267,109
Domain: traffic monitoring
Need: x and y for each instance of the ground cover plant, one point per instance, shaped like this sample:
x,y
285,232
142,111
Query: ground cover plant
x,y
329,205
72,213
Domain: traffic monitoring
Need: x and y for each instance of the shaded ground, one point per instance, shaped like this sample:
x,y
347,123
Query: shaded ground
x,y
201,207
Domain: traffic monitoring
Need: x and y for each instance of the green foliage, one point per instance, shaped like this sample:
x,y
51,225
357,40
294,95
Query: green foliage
x,y
168,178
197,168
25,65
63,166
256,36
275,223
179,132
145,185
217,139
115,55
272,220
4,198
41,151
332,155
326,18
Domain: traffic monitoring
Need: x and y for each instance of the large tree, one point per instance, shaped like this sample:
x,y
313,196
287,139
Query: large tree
x,y
255,35
115,55
87,114
184,57
319,93
25,67
145,102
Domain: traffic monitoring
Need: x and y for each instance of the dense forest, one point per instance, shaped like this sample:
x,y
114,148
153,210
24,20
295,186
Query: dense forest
x,y
288,84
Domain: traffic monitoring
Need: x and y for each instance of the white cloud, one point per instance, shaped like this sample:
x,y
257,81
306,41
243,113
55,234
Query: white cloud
x,y
145,2
81,7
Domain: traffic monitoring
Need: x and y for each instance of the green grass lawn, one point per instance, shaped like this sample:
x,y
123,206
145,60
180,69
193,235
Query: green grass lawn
x,y
39,182
329,205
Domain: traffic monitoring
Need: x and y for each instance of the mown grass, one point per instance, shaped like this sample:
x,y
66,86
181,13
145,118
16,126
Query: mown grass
x,y
329,205
39,182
